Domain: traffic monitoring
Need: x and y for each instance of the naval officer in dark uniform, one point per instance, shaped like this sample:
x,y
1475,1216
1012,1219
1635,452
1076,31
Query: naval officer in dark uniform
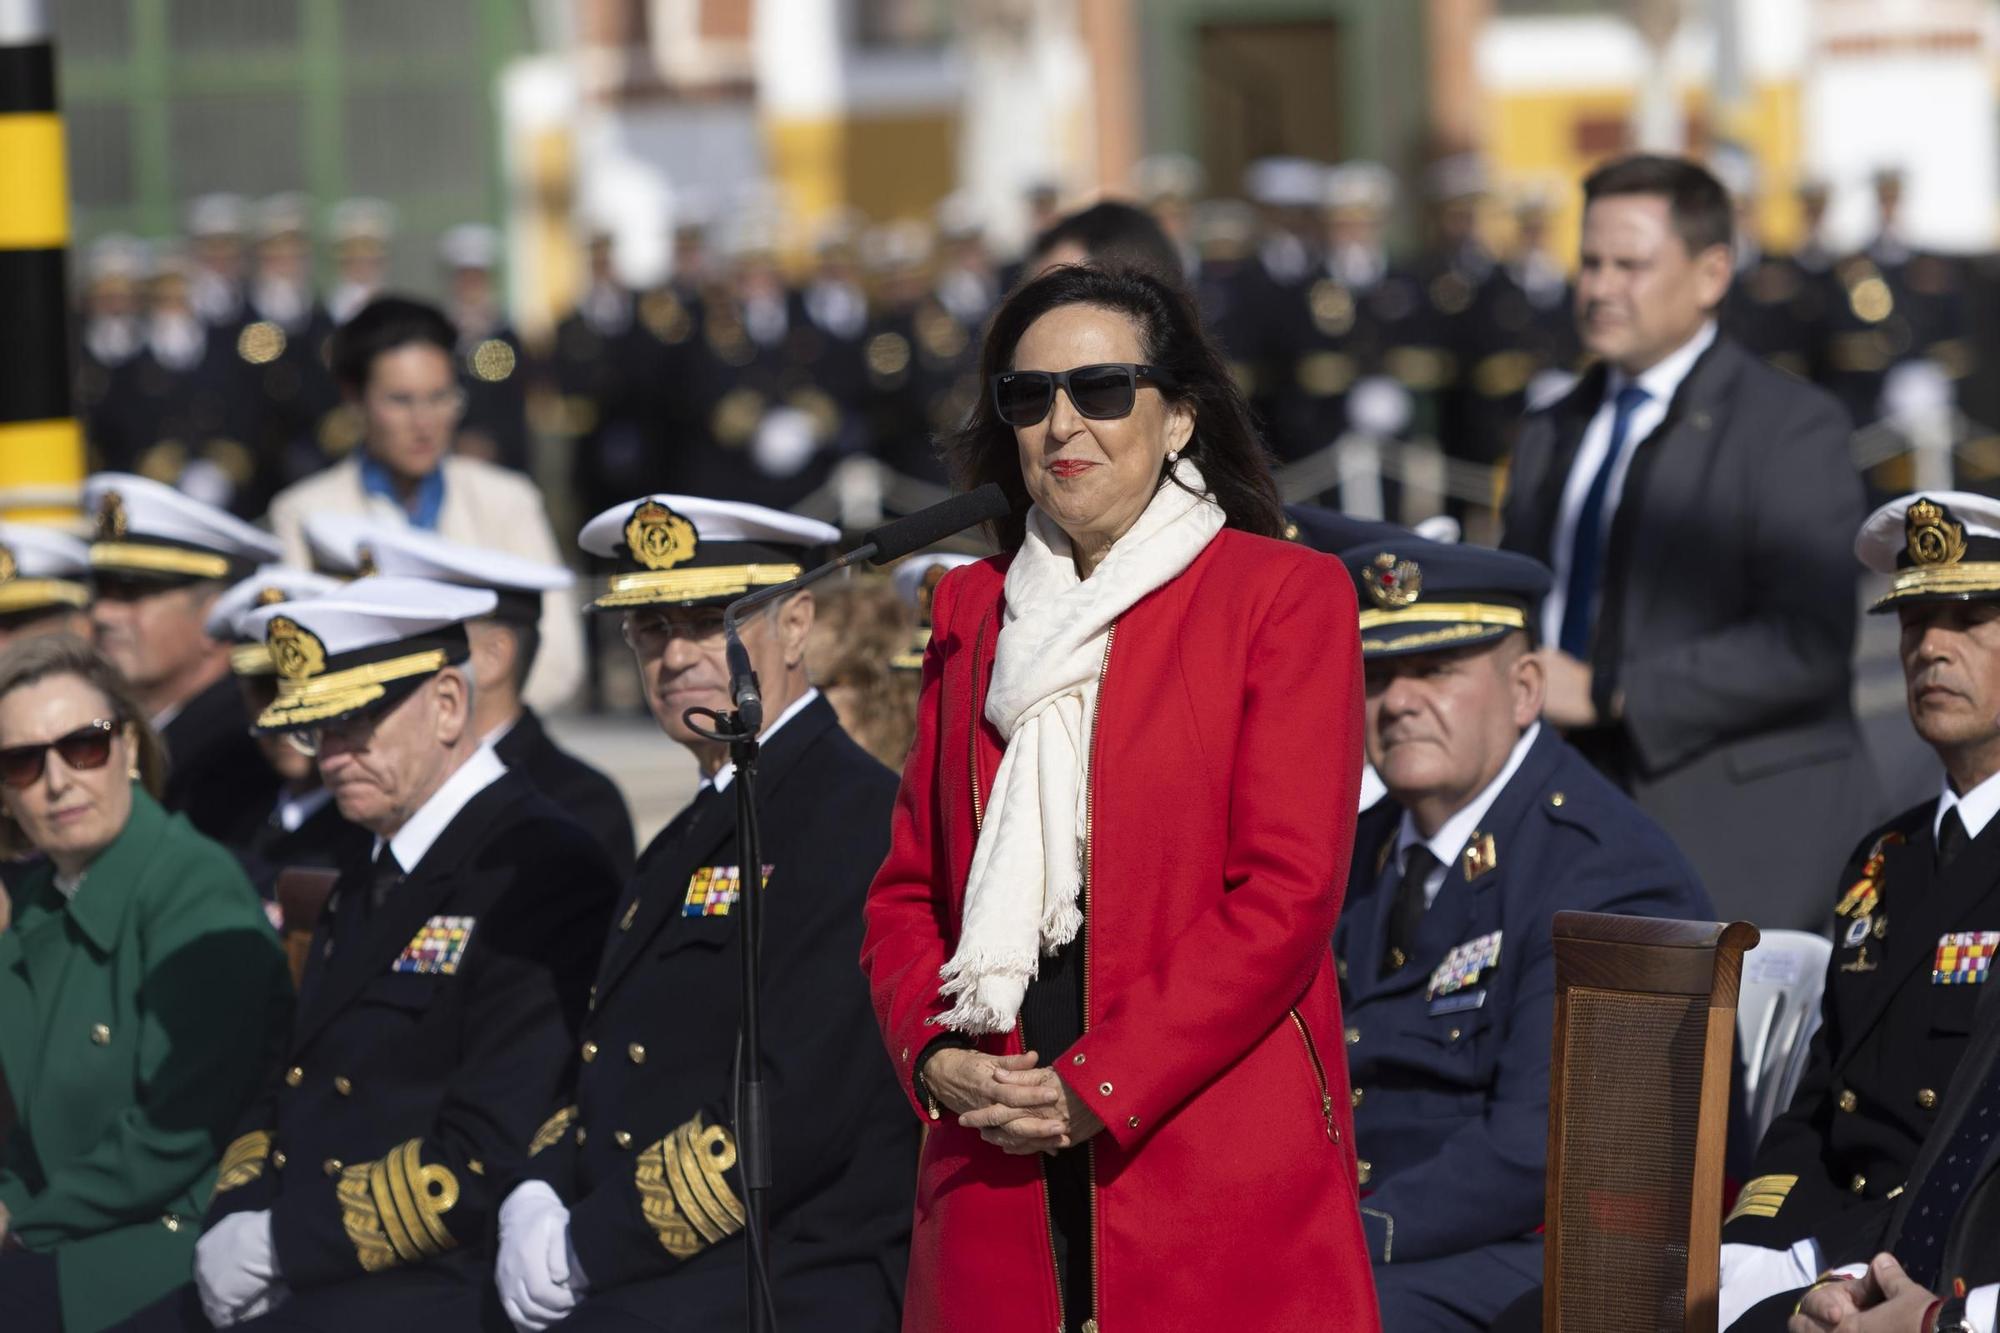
x,y
1917,917
302,828
631,1215
158,562
1492,825
442,996
504,645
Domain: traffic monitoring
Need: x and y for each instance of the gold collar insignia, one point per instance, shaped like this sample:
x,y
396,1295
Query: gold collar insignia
x,y
1481,855
295,650
8,567
1391,582
268,596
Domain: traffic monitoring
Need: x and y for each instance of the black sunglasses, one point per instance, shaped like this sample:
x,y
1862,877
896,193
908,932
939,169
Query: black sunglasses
x,y
86,748
1102,392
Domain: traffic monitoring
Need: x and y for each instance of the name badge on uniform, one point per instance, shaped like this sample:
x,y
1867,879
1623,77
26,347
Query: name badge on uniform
x,y
437,948
1463,966
713,890
1963,958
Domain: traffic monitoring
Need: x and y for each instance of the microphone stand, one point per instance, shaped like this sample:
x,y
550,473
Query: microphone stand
x,y
740,729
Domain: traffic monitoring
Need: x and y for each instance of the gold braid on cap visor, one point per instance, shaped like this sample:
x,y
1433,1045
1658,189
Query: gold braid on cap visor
x,y
317,698
1462,621
1963,579
686,585
158,560
34,594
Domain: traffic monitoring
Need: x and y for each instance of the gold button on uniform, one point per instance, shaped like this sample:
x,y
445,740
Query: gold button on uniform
x,y
636,1053
589,1051
1354,1099
294,1076
1557,800
343,1085
1847,1100
579,1136
1363,1170
278,1160
331,1166
1454,1034
1353,1035
170,1222
622,1139
1927,1099
1858,1184
100,1034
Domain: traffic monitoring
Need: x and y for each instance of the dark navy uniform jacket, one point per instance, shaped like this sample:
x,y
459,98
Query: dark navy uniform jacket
x,y
322,841
646,1157
1890,1036
418,1069
1451,1090
214,770
578,790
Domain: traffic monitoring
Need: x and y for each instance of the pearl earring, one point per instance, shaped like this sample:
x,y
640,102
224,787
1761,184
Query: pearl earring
x,y
1173,457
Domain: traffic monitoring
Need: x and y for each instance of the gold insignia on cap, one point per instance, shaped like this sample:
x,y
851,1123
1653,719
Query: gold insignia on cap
x,y
295,650
269,596
111,517
364,561
658,537
8,567
1392,582
1931,537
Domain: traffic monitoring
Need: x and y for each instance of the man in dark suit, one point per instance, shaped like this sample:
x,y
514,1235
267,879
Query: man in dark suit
x,y
441,999
1492,825
1898,1012
1694,506
158,562
503,653
632,1211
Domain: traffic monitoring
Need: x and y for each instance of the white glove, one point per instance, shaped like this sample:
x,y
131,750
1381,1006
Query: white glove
x,y
538,1284
1752,1273
236,1269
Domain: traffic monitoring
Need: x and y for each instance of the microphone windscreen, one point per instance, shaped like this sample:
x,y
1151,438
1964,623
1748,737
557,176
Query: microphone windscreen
x,y
914,532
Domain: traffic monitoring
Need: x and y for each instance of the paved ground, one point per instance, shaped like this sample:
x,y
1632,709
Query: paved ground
x,y
657,776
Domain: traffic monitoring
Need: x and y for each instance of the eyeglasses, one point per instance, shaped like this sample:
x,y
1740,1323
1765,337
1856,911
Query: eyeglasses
x,y
650,631
1024,397
83,750
352,732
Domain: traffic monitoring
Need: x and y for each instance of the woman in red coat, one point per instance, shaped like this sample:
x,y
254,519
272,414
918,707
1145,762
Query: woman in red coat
x,y
1099,945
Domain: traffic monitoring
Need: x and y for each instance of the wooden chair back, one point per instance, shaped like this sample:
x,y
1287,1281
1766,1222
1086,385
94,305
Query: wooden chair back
x,y
1645,1025
302,894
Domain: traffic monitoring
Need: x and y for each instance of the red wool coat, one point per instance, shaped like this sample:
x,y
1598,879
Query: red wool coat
x,y
1225,772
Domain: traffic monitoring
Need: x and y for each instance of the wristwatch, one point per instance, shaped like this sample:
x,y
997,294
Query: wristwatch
x,y
1951,1317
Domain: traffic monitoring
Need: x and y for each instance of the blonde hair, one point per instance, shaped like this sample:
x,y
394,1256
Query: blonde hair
x,y
28,661
858,629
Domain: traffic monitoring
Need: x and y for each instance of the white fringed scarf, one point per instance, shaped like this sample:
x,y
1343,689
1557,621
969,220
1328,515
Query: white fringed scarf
x,y
1027,868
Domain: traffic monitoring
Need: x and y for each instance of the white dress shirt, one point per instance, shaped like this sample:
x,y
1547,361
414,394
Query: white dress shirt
x,y
723,776
1450,839
1975,809
1661,383
291,812
480,770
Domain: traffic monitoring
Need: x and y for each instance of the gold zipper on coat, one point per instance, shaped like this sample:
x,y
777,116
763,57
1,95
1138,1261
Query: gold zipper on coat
x,y
1090,1325
1319,1073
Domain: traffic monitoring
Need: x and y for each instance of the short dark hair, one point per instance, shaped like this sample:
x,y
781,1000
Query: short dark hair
x,y
527,647
1113,235
381,326
1696,200
1234,462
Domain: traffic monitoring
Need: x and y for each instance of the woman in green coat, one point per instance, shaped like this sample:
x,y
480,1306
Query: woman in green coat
x,y
142,993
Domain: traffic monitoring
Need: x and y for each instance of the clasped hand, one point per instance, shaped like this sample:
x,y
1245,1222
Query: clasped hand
x,y
1883,1300
1016,1107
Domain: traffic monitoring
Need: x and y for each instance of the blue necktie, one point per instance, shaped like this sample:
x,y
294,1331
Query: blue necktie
x,y
1941,1192
1586,549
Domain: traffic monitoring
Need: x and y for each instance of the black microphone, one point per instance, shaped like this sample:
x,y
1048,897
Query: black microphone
x,y
893,541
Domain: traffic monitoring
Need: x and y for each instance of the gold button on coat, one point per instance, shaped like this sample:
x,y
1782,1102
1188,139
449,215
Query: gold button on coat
x,y
1858,1184
331,1166
1847,1100
622,1139
589,1051
580,1136
1557,800
294,1076
278,1160
1926,1099
1354,1099
636,1053
1363,1170
343,1085
100,1034
170,1222
1353,1035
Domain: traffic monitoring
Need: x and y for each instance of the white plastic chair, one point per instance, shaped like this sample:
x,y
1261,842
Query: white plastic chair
x,y
1777,1012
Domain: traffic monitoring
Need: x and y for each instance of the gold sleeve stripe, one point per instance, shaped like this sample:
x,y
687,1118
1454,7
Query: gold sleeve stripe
x,y
684,1190
243,1161
1762,1197
393,1209
552,1129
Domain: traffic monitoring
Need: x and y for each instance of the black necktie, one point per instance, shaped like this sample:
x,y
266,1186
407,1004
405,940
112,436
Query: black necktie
x,y
1406,914
1951,838
1943,1189
350,926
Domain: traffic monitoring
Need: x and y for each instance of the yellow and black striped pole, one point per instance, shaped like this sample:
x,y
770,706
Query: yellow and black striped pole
x,y
41,447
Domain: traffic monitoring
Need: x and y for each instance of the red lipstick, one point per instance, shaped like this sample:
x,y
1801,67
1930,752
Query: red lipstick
x,y
1070,467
